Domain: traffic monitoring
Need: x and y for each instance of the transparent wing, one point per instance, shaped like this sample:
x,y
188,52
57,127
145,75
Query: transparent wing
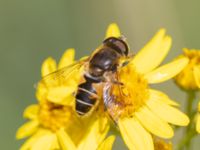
x,y
63,75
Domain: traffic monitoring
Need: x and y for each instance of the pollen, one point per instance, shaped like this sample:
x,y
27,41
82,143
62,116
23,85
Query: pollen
x,y
134,92
53,116
186,78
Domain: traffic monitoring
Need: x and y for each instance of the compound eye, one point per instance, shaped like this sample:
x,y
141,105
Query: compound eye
x,y
117,44
110,40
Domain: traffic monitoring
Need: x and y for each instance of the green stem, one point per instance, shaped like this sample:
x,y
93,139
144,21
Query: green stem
x,y
189,132
191,97
185,142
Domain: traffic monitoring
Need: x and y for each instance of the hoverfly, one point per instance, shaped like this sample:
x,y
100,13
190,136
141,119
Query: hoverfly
x,y
100,72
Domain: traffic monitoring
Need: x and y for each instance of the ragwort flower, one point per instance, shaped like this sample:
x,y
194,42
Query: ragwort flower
x,y
54,125
189,77
148,111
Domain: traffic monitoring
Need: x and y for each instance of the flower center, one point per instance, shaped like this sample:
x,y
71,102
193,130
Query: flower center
x,y
134,91
193,55
54,116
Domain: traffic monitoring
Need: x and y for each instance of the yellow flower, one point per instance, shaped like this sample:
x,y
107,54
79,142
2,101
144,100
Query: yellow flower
x,y
54,125
189,77
198,119
148,111
54,90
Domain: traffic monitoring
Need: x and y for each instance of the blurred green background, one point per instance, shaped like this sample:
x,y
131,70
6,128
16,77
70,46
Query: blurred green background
x,y
30,31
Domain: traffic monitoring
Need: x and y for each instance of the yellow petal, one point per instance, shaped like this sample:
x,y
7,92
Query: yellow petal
x,y
107,143
67,58
113,31
162,97
198,123
27,129
65,141
134,135
94,136
197,75
48,66
61,95
153,123
153,52
76,126
29,143
167,112
55,145
45,142
31,111
41,92
167,71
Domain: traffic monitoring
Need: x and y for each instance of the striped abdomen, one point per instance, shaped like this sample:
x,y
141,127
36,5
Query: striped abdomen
x,y
85,98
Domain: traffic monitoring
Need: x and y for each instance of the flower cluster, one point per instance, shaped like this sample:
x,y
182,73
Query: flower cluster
x,y
53,123
148,113
189,78
189,81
